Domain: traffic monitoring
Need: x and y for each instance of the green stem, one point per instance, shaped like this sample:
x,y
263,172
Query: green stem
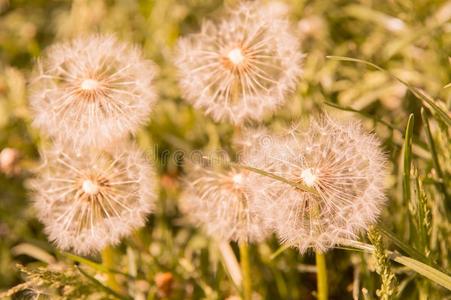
x,y
246,271
108,261
102,286
321,276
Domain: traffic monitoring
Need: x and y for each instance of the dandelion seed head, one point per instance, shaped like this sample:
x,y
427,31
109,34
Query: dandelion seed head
x,y
344,166
236,56
242,66
218,200
89,85
237,179
89,201
92,90
90,187
308,176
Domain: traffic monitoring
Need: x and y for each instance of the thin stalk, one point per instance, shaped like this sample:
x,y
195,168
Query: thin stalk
x,y
435,161
102,286
297,185
407,163
321,276
108,261
246,271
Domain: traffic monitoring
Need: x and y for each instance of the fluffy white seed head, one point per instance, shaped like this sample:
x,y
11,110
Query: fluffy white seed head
x,y
241,67
92,90
89,200
344,166
218,200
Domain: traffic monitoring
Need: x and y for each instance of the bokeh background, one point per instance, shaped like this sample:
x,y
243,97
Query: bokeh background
x,y
169,259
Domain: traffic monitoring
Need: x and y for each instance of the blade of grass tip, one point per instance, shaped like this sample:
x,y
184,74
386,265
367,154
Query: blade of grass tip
x,y
87,262
350,109
94,265
419,93
407,159
279,251
102,286
415,91
435,162
423,269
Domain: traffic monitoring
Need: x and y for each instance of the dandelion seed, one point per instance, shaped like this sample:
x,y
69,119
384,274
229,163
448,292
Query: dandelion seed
x,y
241,67
92,90
89,201
345,167
218,200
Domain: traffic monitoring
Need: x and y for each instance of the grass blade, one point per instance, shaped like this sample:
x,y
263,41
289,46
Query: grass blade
x,y
94,265
423,269
279,251
263,173
407,249
420,94
350,109
407,160
435,161
102,286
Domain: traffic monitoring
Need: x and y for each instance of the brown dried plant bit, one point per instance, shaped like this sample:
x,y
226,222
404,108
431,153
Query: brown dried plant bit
x,y
88,199
92,90
345,167
242,66
164,282
9,159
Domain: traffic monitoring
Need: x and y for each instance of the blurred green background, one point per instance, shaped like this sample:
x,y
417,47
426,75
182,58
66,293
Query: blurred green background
x,y
169,259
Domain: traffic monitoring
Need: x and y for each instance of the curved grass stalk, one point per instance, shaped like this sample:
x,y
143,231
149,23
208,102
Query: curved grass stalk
x,y
299,186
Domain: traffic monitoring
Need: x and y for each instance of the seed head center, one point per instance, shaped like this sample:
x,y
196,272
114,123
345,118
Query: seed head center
x,y
308,177
89,84
237,179
236,56
90,187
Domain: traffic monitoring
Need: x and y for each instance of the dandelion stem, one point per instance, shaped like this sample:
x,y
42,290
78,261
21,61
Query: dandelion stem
x,y
246,271
321,276
108,260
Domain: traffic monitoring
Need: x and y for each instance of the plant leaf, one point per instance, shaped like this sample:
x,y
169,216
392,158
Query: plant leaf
x,y
407,154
